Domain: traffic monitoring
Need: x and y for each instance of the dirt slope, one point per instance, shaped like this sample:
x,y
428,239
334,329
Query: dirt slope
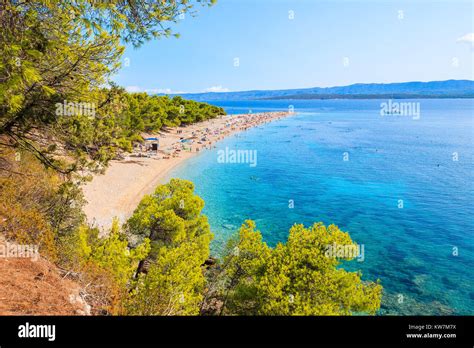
x,y
29,287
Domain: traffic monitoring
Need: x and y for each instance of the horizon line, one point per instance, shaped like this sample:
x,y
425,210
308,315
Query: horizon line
x,y
303,88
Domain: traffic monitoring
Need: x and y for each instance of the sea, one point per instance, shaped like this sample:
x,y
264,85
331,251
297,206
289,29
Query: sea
x,y
399,178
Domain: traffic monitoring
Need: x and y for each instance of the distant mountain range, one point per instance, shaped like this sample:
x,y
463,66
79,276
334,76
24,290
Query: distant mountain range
x,y
404,90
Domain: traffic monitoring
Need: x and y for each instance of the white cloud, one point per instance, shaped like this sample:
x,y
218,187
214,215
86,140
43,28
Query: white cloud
x,y
160,90
163,91
468,38
216,89
136,89
133,89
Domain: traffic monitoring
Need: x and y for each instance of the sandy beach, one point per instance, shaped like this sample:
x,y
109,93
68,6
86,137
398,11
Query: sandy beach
x,y
126,181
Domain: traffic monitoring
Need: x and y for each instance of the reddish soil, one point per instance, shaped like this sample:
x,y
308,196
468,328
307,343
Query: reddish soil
x,y
30,287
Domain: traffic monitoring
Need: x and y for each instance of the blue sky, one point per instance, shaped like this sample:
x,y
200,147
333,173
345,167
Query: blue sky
x,y
326,43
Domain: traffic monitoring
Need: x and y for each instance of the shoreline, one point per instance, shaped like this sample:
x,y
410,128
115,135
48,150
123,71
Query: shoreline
x,y
125,182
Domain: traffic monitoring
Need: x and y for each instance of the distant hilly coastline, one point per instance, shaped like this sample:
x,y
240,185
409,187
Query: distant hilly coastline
x,y
403,90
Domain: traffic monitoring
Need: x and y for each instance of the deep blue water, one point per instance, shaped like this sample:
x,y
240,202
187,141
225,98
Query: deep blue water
x,y
422,253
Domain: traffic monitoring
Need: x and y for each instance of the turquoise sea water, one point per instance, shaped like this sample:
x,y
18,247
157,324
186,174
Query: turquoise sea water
x,y
423,253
